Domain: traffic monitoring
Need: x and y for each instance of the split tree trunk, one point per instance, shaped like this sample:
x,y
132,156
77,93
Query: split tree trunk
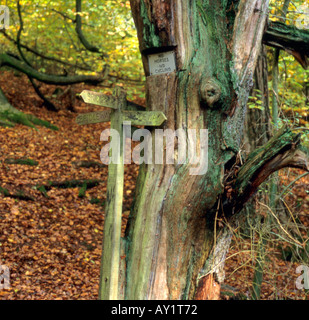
x,y
171,229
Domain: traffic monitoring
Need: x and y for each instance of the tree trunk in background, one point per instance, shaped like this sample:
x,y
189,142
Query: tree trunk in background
x,y
171,229
257,128
257,134
257,124
4,103
10,115
307,93
5,109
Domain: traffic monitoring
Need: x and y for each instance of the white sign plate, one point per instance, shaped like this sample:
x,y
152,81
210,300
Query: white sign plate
x,y
160,63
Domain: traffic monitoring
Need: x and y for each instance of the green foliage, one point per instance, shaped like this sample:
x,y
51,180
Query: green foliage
x,y
82,190
97,201
49,28
42,190
256,101
4,191
297,12
293,83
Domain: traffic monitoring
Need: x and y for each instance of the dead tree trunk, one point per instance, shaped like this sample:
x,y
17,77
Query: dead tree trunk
x,y
172,239
171,229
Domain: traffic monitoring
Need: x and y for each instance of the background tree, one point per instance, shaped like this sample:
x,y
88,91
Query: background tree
x,y
67,37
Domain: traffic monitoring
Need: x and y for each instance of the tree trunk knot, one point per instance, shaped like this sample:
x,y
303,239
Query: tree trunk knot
x,y
210,92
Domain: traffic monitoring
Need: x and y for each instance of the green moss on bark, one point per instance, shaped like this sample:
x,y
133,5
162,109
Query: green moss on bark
x,y
9,118
150,38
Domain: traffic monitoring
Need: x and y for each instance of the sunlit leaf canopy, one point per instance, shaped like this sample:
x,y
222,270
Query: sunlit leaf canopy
x,y
293,78
49,28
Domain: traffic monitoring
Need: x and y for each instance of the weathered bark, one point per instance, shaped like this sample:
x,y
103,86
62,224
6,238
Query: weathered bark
x,y
171,233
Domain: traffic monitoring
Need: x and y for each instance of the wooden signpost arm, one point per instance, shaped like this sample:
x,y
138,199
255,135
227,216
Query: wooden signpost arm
x,y
121,112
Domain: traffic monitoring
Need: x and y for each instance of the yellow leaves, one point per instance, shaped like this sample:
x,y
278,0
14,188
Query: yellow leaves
x,y
82,14
14,210
109,20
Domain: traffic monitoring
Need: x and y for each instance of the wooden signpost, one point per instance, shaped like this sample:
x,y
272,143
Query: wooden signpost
x,y
122,111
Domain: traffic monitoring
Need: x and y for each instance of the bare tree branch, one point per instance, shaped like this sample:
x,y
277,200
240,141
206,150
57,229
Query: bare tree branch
x,y
64,15
49,105
79,31
9,61
43,56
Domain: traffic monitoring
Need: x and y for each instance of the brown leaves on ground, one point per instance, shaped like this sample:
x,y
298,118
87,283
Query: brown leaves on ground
x,y
279,277
52,245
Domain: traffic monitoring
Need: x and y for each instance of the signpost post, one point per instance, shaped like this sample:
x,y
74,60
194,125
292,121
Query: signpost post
x,y
109,277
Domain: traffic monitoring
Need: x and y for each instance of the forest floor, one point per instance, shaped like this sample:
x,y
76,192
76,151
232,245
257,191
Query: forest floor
x,y
51,241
